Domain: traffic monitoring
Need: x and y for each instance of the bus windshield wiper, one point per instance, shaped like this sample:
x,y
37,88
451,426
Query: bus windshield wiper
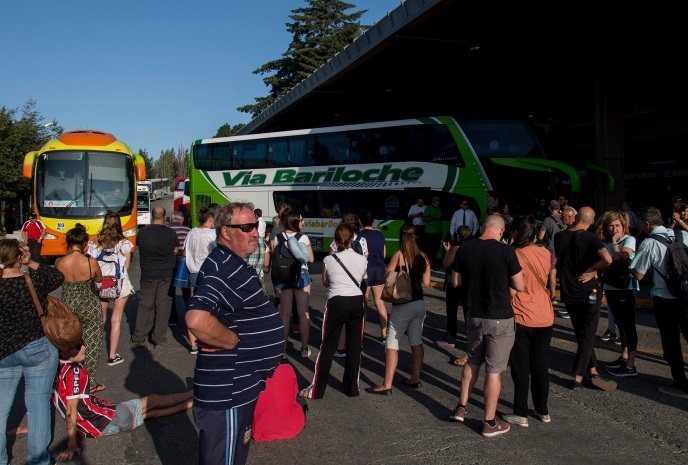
x,y
69,205
100,199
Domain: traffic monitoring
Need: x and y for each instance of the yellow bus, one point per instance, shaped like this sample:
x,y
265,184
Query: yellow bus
x,y
78,178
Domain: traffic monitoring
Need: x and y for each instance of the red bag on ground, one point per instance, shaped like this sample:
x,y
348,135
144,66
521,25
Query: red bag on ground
x,y
278,414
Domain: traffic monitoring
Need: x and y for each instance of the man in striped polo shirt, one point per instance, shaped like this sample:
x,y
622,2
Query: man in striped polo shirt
x,y
240,339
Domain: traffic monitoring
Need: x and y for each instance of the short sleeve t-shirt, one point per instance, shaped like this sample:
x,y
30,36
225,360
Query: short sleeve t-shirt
x,y
576,251
486,267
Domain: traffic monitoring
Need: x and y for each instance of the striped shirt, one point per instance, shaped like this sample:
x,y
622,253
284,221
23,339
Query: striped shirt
x,y
182,231
93,413
229,289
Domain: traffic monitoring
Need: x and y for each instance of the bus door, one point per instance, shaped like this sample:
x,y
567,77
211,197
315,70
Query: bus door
x,y
143,206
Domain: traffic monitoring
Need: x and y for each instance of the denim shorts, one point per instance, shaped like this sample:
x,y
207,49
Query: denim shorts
x,y
303,282
128,415
192,280
376,276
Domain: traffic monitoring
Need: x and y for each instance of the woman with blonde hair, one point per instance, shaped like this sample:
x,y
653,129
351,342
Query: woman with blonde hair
x,y
406,318
25,350
614,231
80,271
111,240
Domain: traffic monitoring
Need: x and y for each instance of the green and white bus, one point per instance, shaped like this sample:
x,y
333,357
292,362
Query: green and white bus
x,y
326,172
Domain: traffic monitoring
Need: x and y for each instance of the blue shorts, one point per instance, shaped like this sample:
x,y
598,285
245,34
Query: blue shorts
x,y
128,415
376,276
303,281
192,280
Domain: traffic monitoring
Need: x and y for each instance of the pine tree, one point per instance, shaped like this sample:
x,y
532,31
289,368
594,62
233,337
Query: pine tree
x,y
319,32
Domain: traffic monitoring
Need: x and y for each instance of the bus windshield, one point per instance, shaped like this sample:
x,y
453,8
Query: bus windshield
x,y
83,184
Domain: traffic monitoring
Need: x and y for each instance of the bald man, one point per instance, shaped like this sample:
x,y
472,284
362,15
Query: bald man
x,y
580,256
487,269
158,245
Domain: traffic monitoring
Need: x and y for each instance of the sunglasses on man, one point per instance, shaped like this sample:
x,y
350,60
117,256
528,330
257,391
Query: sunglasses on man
x,y
246,227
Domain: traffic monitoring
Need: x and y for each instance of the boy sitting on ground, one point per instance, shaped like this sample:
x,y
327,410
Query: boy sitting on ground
x,y
92,417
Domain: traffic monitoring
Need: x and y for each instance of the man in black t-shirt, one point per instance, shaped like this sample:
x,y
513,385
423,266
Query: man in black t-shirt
x,y
158,245
580,255
487,269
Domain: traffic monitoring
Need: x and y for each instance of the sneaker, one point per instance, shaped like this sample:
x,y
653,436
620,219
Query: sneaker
x,y
608,336
622,371
114,361
500,428
160,345
340,353
543,418
563,314
602,383
673,391
618,363
459,413
517,420
194,350
295,329
306,352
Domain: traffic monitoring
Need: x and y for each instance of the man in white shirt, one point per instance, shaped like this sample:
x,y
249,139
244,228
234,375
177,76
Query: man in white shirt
x,y
262,226
416,215
464,216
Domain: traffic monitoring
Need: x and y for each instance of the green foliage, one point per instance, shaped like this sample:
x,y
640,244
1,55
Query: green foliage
x,y
226,130
319,32
21,131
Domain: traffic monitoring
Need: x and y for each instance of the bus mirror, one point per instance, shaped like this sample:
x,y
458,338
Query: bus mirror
x,y
27,169
140,168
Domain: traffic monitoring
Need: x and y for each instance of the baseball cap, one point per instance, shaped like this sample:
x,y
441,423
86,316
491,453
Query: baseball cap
x,y
554,205
435,198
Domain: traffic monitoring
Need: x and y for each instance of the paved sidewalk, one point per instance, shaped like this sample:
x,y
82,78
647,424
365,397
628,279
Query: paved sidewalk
x,y
633,425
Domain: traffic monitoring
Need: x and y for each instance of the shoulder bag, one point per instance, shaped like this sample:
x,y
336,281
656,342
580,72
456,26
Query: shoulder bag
x,y
532,270
363,286
397,288
617,274
59,323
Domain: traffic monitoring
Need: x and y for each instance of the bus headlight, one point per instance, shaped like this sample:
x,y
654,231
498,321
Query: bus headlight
x,y
50,237
130,232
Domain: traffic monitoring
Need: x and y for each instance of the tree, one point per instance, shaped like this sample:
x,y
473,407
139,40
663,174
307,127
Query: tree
x,y
226,130
18,136
148,161
182,159
319,32
166,165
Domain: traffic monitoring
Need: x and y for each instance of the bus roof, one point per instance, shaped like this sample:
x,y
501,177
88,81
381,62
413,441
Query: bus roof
x,y
351,127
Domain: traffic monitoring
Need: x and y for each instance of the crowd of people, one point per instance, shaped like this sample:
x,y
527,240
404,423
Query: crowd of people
x,y
505,282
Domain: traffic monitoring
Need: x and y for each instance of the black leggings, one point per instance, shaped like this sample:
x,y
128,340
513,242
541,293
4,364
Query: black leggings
x,y
622,306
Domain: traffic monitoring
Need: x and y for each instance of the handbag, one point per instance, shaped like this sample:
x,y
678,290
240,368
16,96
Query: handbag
x,y
617,275
397,288
181,276
59,323
363,286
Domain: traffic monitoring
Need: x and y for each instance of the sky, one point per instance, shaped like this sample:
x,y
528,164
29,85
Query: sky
x,y
157,74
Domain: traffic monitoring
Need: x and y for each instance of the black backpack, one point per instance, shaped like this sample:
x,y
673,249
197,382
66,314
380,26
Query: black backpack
x,y
356,245
677,266
284,268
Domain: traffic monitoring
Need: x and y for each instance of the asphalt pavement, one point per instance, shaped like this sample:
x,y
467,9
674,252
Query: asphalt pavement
x,y
634,424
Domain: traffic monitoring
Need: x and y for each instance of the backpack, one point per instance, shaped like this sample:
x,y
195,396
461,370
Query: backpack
x,y
356,245
284,268
677,266
111,285
278,414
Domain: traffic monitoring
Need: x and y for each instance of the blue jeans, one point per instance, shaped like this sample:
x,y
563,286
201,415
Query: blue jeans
x,y
37,362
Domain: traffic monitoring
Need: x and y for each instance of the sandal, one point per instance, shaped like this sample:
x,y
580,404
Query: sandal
x,y
305,393
461,361
97,388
